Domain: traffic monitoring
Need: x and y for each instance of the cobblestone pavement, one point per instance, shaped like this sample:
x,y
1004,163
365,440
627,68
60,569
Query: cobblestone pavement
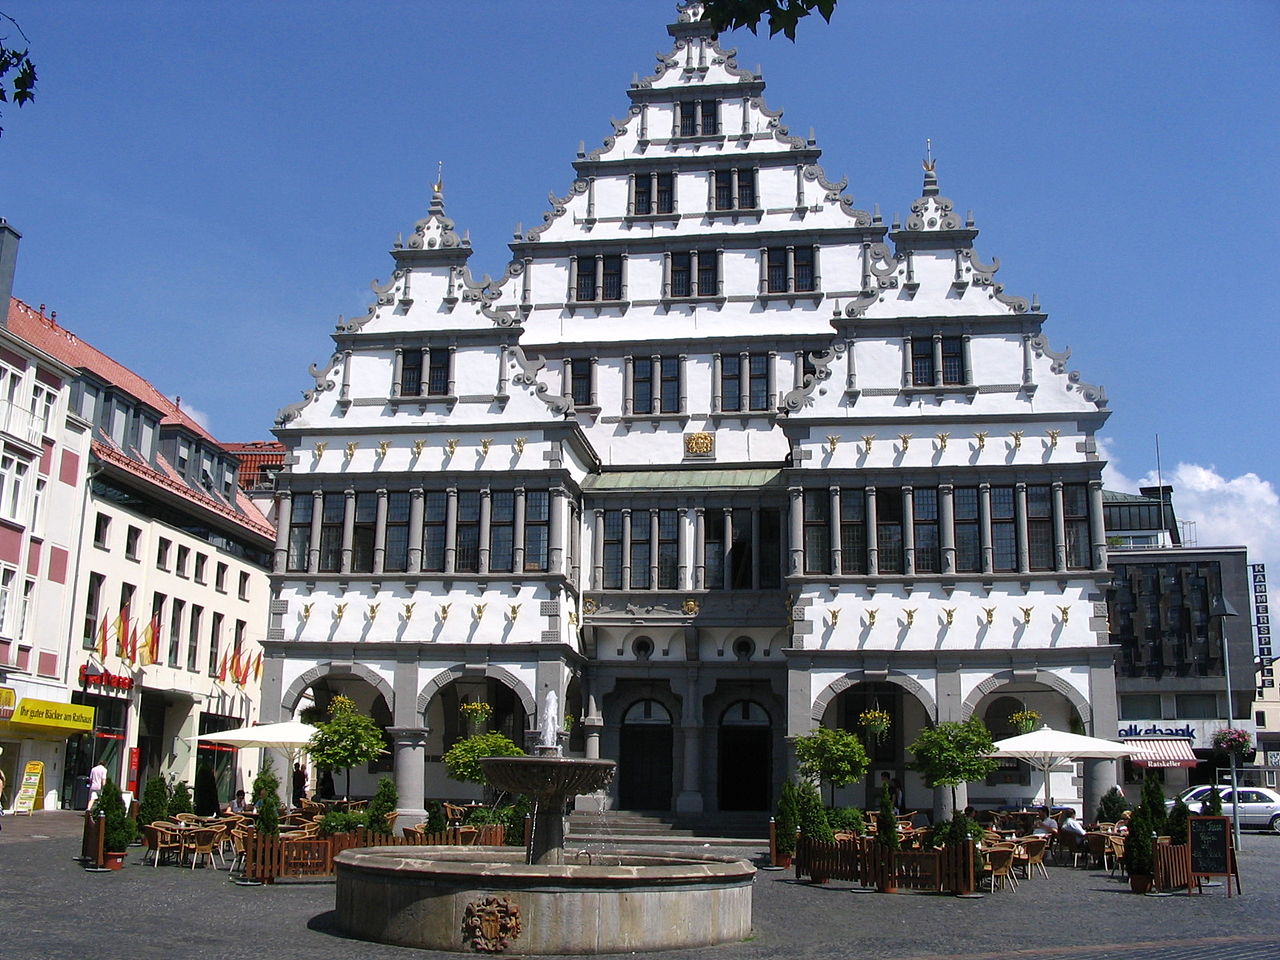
x,y
51,909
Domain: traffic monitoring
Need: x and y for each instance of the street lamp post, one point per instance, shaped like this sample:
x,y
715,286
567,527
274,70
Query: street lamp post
x,y
1221,610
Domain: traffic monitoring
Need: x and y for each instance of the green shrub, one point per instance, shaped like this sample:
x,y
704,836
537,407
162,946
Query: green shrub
x,y
382,805
847,820
836,757
345,821
1212,805
957,831
887,820
812,813
180,799
119,830
788,820
266,798
1139,847
1178,821
463,759
155,801
1112,806
1153,801
206,798
435,821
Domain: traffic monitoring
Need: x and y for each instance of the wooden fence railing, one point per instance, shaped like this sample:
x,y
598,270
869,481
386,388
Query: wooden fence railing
x,y
95,831
866,862
1172,866
270,858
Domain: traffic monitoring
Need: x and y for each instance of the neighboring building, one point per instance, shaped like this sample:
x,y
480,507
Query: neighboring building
x,y
1266,703
171,591
1170,672
718,459
44,446
260,461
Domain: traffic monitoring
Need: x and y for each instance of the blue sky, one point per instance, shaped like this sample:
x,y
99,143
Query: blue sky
x,y
204,187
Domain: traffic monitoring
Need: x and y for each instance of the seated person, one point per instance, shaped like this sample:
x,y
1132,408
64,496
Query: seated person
x,y
1122,825
1071,825
1046,826
240,805
971,813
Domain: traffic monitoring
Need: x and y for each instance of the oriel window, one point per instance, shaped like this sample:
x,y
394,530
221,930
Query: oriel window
x,y
537,539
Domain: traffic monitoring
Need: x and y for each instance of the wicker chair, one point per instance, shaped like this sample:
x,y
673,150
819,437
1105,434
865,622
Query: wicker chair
x,y
203,843
1032,856
1000,863
1099,848
163,839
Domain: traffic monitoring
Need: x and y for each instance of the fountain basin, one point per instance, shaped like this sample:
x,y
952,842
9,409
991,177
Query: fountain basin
x,y
615,902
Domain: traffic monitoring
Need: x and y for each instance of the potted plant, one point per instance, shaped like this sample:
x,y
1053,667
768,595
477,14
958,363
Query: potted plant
x,y
119,830
347,739
1024,721
155,802
266,800
813,822
179,799
1234,741
1152,803
887,836
475,713
1139,851
1178,822
1211,806
836,756
381,810
1111,807
785,825
206,793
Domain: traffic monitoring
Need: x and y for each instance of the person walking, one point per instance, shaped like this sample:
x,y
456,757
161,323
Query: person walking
x,y
97,780
299,784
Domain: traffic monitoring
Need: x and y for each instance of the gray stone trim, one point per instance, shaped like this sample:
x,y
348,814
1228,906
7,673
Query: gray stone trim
x,y
559,404
336,669
1092,393
835,194
802,395
456,672
840,684
559,206
323,382
1043,677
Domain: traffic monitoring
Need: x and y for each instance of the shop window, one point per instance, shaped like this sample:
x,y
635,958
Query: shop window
x,y
1196,706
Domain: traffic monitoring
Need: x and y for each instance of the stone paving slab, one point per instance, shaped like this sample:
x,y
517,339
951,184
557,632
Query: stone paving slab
x,y
51,909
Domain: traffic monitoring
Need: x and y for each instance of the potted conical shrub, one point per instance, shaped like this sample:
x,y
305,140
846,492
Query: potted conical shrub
x,y
118,830
785,826
1139,851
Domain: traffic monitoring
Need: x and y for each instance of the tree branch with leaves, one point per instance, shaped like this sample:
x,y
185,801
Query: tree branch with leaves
x,y
783,15
17,72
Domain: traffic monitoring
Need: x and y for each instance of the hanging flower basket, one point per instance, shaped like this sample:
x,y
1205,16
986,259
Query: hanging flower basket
x,y
475,712
1024,721
1233,740
875,722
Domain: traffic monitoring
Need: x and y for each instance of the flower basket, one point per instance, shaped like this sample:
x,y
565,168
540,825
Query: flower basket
x,y
475,713
1233,740
1024,721
875,722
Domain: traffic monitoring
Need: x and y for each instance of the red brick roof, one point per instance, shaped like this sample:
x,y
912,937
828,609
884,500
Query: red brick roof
x,y
44,332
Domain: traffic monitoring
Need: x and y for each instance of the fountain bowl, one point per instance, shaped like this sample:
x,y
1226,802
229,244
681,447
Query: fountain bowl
x,y
547,776
486,899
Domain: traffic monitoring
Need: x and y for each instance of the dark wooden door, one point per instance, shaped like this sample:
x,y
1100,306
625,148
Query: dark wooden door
x,y
745,764
644,767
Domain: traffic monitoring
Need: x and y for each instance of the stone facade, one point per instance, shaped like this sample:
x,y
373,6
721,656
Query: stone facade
x,y
719,458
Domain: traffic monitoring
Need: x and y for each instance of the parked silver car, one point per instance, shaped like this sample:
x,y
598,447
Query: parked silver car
x,y
1259,806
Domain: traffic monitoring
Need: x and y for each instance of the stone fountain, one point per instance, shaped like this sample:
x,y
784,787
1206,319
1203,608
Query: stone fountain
x,y
542,901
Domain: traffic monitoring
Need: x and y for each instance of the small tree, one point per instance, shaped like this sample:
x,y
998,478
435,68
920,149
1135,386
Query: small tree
x,y
1178,821
462,760
788,820
206,798
1111,807
811,815
847,820
1212,805
382,806
155,801
346,739
954,753
266,799
119,830
1139,850
834,756
887,820
1153,802
180,799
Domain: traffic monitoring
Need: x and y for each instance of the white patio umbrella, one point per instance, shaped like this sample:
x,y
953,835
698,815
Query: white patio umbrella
x,y
1046,748
289,734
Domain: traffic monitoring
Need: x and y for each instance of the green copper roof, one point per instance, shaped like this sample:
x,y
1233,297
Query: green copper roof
x,y
682,479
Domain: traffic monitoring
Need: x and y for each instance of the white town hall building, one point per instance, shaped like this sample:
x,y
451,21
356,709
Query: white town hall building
x,y
720,458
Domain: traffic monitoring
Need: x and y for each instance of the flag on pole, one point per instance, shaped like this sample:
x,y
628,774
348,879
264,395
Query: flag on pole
x,y
133,642
152,644
222,670
102,640
257,666
122,633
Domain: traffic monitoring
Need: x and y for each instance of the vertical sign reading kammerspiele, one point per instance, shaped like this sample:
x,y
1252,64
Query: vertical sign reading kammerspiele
x,y
1262,626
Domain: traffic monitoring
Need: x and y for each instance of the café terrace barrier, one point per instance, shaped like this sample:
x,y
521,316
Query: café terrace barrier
x,y
269,858
864,861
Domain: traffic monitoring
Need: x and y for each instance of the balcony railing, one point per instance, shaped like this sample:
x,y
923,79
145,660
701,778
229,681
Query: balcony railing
x,y
20,423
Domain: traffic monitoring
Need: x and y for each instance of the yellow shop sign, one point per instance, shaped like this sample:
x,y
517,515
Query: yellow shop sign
x,y
8,700
44,713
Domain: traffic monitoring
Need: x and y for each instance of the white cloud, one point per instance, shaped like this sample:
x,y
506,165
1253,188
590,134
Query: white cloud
x,y
199,416
1227,511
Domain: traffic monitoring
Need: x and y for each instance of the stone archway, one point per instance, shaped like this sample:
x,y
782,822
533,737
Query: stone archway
x,y
841,684
339,671
460,671
1042,677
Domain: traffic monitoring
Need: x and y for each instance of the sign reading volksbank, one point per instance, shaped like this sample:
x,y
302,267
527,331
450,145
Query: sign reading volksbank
x,y
1200,733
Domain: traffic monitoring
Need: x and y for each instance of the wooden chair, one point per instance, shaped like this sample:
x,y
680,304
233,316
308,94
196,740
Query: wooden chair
x,y
1071,844
1000,863
164,839
238,837
468,836
187,818
1115,843
1032,856
203,843
454,813
412,834
1099,848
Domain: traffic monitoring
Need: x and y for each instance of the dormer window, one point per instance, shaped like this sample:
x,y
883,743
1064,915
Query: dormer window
x,y
184,456
698,118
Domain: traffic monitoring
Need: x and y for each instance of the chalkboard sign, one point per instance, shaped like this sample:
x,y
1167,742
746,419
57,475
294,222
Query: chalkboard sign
x,y
1210,846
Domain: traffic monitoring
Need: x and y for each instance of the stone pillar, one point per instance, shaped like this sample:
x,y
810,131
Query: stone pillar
x,y
682,549
317,515
451,530
947,527
908,531
795,531
415,530
699,548
1097,530
984,527
517,533
486,514
626,548
410,771
284,510
597,550
380,533
873,534
689,800
555,532
1059,530
837,560
1020,525
726,573
348,529
1100,775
